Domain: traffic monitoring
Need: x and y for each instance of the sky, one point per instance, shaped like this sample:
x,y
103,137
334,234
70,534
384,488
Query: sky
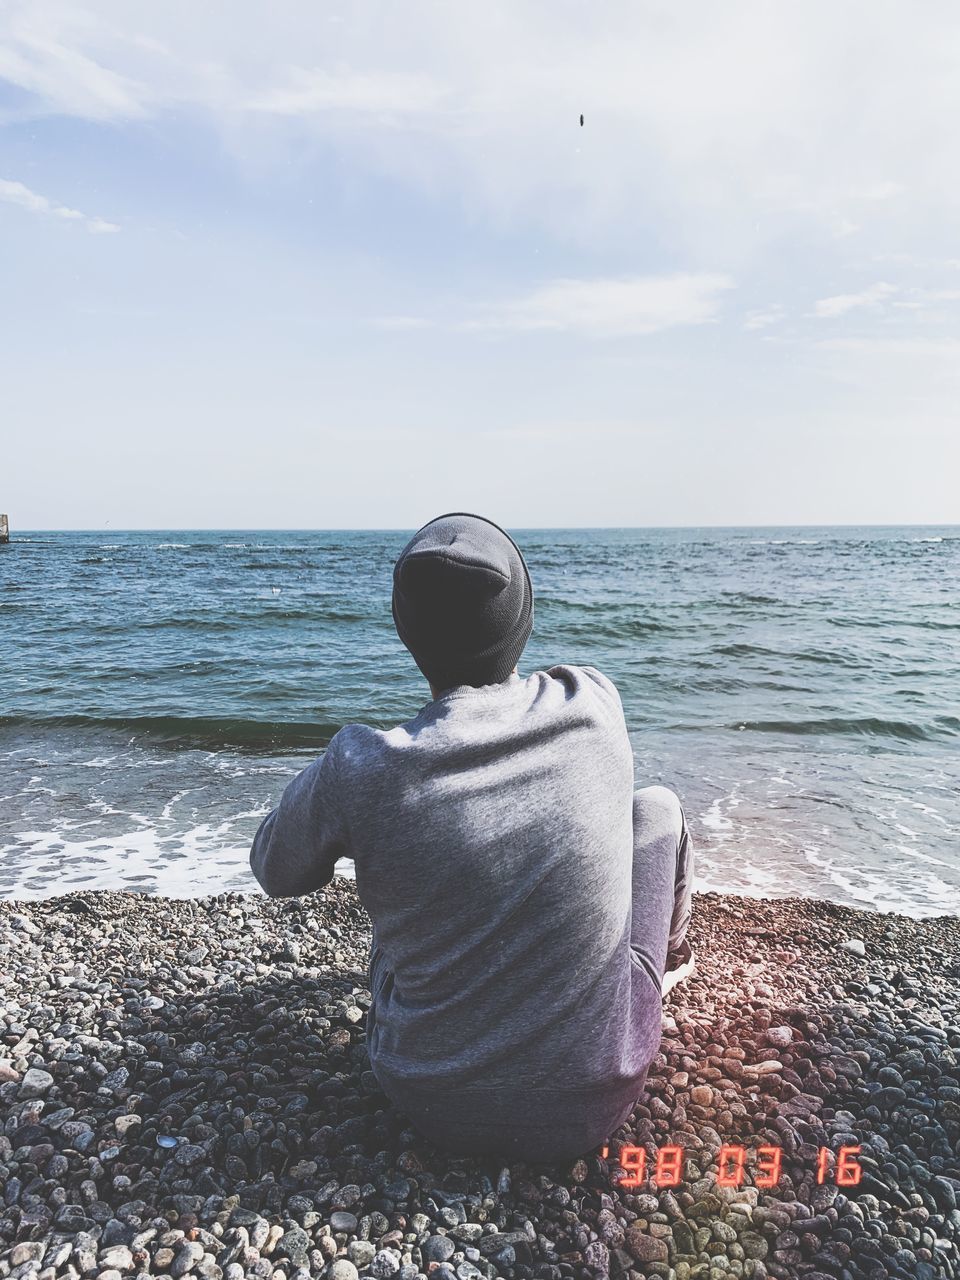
x,y
299,265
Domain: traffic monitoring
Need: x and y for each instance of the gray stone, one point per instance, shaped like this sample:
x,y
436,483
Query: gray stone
x,y
35,1083
346,1197
343,1221
341,1269
26,1251
295,1243
58,1254
361,1253
186,1258
437,1249
117,1255
189,1154
596,1256
385,1264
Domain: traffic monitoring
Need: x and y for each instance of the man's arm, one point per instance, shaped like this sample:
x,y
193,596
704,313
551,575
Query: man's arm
x,y
297,845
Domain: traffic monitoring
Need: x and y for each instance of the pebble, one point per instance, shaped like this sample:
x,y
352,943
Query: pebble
x,y
118,1256
644,1247
35,1083
780,1037
854,946
186,1257
224,1124
343,1221
437,1249
360,1253
386,1263
342,1269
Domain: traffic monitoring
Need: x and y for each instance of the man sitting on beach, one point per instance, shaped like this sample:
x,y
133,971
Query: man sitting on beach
x,y
529,907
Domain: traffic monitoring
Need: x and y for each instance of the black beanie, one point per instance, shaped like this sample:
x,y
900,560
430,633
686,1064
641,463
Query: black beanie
x,y
462,601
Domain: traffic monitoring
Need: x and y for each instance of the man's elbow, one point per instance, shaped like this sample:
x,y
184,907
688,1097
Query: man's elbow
x,y
263,866
272,882
281,874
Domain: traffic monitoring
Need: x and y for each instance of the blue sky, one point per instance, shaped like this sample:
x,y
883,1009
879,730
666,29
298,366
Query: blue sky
x,y
316,265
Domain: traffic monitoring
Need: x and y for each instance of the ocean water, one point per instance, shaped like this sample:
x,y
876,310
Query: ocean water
x,y
798,688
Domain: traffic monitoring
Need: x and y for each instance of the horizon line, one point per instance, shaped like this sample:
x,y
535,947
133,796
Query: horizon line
x,y
524,528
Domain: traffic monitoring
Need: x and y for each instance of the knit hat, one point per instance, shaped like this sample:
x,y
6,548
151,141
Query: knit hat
x,y
462,601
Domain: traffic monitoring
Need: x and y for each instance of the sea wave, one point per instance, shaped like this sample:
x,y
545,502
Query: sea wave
x,y
871,726
269,616
205,732
825,656
747,597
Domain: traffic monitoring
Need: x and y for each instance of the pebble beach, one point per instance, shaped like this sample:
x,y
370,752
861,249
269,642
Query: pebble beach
x,y
185,1092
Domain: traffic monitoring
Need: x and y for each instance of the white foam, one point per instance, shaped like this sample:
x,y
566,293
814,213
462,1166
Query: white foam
x,y
713,819
205,859
879,891
913,852
929,812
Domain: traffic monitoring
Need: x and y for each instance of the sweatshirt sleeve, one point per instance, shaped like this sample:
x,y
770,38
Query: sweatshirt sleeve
x,y
298,843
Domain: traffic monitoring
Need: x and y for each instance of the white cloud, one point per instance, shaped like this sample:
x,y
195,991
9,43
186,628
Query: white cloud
x,y
841,303
18,194
384,93
765,317
845,227
40,53
610,308
400,323
880,191
702,120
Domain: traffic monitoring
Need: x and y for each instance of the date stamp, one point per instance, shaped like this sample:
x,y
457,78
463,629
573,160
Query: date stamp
x,y
736,1166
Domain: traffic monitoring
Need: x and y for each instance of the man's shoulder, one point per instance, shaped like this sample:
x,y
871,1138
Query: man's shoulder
x,y
586,678
353,743
363,747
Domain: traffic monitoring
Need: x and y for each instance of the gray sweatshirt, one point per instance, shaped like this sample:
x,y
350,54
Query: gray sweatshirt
x,y
492,837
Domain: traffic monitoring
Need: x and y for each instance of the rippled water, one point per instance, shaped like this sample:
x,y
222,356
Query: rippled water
x,y
799,688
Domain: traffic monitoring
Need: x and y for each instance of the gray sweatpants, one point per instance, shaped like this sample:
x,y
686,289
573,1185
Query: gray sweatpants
x,y
663,865
662,878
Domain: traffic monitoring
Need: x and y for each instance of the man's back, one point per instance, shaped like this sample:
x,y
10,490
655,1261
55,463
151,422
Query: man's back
x,y
493,840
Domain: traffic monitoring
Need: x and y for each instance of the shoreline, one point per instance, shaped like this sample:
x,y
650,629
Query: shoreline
x,y
233,1027
345,870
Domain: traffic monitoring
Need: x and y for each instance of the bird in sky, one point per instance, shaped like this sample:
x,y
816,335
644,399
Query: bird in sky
x,y
581,121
